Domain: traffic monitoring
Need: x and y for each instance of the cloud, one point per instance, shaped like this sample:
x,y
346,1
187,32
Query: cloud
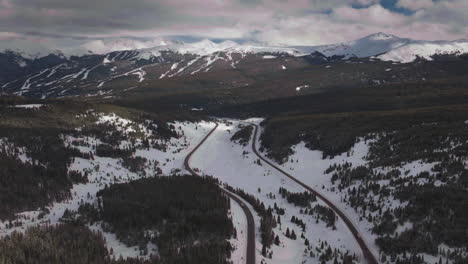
x,y
345,23
286,22
9,35
373,15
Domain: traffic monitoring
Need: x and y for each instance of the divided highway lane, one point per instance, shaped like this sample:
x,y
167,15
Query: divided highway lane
x,y
250,257
368,255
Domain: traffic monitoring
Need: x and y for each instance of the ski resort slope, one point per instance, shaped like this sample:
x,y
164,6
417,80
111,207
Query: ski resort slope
x,y
236,165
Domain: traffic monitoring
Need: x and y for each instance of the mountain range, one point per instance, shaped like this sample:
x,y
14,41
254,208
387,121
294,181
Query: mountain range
x,y
400,49
127,64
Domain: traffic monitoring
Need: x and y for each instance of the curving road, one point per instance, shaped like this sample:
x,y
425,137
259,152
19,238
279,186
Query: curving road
x,y
370,258
250,257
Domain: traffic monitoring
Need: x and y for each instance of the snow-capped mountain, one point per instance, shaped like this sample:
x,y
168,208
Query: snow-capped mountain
x,y
384,46
209,48
27,50
364,47
426,50
135,66
145,48
104,47
388,47
106,65
35,50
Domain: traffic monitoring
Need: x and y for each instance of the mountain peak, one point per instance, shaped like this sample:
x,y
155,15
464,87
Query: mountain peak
x,y
370,45
206,42
380,36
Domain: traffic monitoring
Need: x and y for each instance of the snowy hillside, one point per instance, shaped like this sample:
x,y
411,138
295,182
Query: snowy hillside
x,y
376,187
392,47
425,49
238,166
104,47
27,49
364,47
389,48
207,47
146,49
103,171
111,67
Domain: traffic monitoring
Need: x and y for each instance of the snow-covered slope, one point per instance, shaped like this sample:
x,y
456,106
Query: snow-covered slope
x,y
37,49
425,49
237,166
390,48
364,47
385,46
41,71
207,47
146,49
105,47
105,171
32,54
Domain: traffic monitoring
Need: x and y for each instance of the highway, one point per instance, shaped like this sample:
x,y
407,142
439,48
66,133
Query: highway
x,y
250,254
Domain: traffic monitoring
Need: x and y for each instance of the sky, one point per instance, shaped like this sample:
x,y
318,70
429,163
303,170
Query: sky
x,y
65,24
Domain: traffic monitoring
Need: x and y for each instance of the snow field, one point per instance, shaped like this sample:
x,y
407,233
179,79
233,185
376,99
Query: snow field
x,y
235,165
224,159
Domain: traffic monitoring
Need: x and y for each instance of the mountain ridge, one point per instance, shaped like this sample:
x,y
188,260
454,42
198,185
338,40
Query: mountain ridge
x,y
372,45
175,63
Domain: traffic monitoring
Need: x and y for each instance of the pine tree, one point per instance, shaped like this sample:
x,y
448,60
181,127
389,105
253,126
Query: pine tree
x,y
277,241
293,235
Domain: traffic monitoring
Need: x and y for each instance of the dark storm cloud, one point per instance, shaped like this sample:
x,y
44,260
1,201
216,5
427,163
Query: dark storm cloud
x,y
83,16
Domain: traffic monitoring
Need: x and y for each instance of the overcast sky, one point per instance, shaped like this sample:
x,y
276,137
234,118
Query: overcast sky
x,y
61,23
